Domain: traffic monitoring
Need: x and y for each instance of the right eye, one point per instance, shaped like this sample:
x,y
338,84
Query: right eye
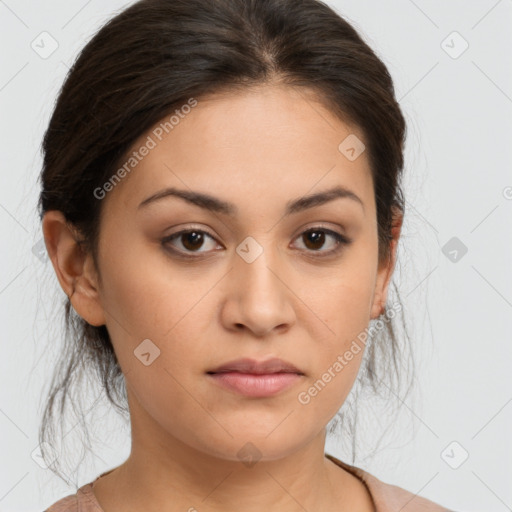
x,y
190,240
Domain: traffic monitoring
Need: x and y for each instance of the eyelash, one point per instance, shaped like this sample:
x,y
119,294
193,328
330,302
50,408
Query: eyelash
x,y
341,241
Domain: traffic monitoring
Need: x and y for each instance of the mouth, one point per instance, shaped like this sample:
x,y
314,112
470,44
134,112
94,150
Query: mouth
x,y
254,367
256,385
256,379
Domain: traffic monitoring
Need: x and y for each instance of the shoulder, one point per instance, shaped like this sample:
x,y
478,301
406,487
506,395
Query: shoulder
x,y
388,497
82,501
67,504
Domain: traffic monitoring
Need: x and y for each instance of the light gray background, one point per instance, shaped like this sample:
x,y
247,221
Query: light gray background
x,y
459,184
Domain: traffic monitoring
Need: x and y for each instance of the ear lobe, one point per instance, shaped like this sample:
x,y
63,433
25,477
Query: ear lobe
x,y
73,266
386,269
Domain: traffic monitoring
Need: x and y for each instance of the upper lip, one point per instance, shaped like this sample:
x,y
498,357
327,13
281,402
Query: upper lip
x,y
274,365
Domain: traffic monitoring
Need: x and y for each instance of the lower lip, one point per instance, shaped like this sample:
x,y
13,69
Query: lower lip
x,y
250,384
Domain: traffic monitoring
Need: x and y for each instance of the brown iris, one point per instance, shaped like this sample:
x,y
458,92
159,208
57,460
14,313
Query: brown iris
x,y
315,237
192,240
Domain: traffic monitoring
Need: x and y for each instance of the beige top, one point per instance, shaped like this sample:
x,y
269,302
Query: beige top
x,y
386,497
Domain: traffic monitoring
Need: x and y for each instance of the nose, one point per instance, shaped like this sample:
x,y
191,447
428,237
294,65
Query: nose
x,y
260,295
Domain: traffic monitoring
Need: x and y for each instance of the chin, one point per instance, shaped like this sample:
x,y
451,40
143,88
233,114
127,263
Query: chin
x,y
249,447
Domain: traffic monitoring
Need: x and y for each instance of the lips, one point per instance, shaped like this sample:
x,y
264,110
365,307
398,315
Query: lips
x,y
251,366
256,379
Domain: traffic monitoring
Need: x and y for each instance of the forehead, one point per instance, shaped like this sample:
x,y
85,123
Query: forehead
x,y
264,142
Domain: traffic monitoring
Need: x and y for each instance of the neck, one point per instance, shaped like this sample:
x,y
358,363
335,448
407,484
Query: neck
x,y
177,476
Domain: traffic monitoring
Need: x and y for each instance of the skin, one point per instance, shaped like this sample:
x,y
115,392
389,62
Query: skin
x,y
258,149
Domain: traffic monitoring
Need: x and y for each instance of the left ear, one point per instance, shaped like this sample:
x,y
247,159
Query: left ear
x,y
387,267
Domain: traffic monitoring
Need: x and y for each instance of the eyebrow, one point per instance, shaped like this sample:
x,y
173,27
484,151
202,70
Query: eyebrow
x,y
214,204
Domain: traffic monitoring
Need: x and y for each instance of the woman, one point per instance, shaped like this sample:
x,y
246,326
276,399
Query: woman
x,y
221,204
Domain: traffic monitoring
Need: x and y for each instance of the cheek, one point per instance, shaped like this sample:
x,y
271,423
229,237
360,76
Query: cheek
x,y
337,357
344,298
146,297
155,302
344,308
144,294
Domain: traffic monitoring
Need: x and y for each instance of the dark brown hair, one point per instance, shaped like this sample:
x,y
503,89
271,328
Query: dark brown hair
x,y
150,59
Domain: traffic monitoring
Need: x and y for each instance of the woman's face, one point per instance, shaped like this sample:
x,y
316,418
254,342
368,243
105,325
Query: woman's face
x,y
263,278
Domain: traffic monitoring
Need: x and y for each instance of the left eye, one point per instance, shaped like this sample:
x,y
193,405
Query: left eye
x,y
314,239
